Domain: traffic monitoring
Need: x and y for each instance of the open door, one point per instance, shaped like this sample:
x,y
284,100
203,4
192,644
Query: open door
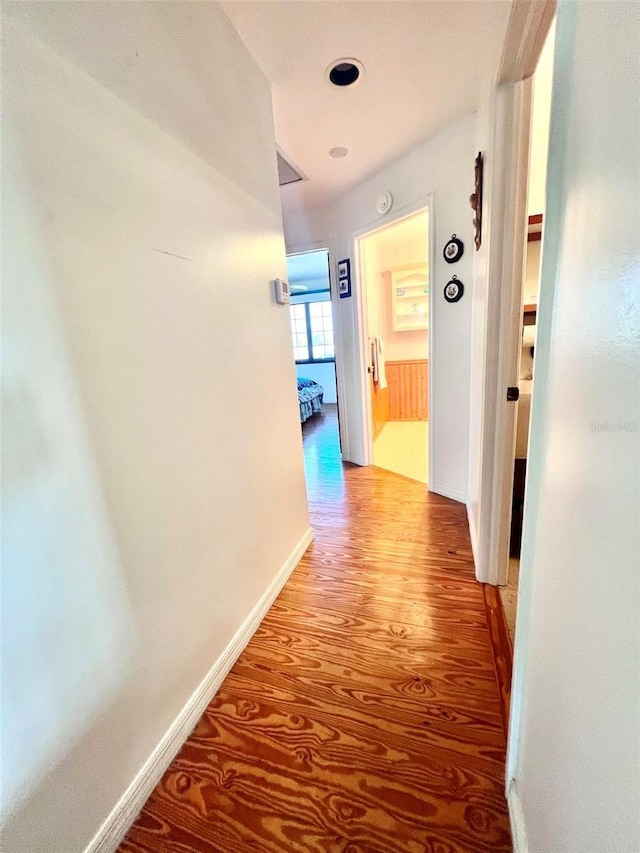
x,y
517,100
508,215
393,275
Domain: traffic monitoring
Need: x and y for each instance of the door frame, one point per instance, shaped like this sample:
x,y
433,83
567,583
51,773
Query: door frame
x,y
528,27
504,323
426,203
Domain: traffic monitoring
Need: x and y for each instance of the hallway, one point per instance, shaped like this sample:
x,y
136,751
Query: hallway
x,y
364,716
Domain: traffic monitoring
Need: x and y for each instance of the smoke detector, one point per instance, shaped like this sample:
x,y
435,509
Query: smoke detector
x,y
384,202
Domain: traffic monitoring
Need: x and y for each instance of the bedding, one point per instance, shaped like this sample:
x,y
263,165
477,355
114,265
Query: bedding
x,y
310,396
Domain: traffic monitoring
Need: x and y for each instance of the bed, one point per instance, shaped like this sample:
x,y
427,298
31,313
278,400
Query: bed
x,y
310,396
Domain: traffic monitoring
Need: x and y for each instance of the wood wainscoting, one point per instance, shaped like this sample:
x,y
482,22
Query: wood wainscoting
x,y
408,383
379,407
406,397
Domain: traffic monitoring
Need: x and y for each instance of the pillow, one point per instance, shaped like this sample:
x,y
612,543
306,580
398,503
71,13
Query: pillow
x,y
305,383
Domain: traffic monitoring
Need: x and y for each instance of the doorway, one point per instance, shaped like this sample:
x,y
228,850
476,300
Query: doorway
x,y
393,264
526,320
314,354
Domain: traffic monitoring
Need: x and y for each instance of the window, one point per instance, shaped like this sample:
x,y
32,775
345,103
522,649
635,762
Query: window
x,y
312,330
299,332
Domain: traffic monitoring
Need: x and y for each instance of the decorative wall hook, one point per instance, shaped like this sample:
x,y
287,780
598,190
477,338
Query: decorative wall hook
x,y
475,200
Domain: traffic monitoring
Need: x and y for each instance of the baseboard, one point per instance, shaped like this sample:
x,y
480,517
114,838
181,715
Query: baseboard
x,y
516,816
447,492
126,810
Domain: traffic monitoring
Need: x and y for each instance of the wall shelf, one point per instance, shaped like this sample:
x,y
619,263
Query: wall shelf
x,y
409,298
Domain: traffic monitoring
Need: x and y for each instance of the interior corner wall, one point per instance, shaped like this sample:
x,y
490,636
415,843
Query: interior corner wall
x,y
442,167
149,498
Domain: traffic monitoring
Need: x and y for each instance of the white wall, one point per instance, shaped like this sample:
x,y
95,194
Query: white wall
x,y
372,282
443,166
532,272
305,229
574,751
540,118
153,482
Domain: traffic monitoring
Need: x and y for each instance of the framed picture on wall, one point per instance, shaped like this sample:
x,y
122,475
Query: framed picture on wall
x,y
344,278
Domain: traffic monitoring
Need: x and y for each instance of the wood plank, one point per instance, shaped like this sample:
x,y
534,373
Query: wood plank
x,y
379,407
408,390
501,647
364,716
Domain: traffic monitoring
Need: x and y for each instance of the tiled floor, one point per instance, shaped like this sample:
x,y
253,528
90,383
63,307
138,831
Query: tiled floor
x,y
403,447
509,596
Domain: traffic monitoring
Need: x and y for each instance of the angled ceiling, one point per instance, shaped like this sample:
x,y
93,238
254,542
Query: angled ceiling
x,y
423,65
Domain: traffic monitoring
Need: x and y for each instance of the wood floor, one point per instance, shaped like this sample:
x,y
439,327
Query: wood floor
x,y
364,716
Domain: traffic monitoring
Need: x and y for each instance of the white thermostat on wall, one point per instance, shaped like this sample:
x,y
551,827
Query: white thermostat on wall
x,y
282,291
384,202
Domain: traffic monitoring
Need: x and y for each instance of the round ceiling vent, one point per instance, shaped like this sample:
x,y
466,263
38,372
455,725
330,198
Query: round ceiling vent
x,y
338,151
344,72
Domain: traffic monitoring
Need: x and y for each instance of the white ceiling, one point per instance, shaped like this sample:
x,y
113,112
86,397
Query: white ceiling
x,y
423,65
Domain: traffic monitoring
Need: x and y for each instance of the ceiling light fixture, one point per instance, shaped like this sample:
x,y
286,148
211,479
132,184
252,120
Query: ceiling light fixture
x,y
338,151
344,72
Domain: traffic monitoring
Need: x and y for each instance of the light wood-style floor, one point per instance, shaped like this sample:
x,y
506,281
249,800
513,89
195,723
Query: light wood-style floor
x,y
364,716
403,447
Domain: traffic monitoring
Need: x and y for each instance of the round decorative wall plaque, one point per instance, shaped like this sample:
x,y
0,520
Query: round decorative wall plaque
x,y
453,290
453,250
